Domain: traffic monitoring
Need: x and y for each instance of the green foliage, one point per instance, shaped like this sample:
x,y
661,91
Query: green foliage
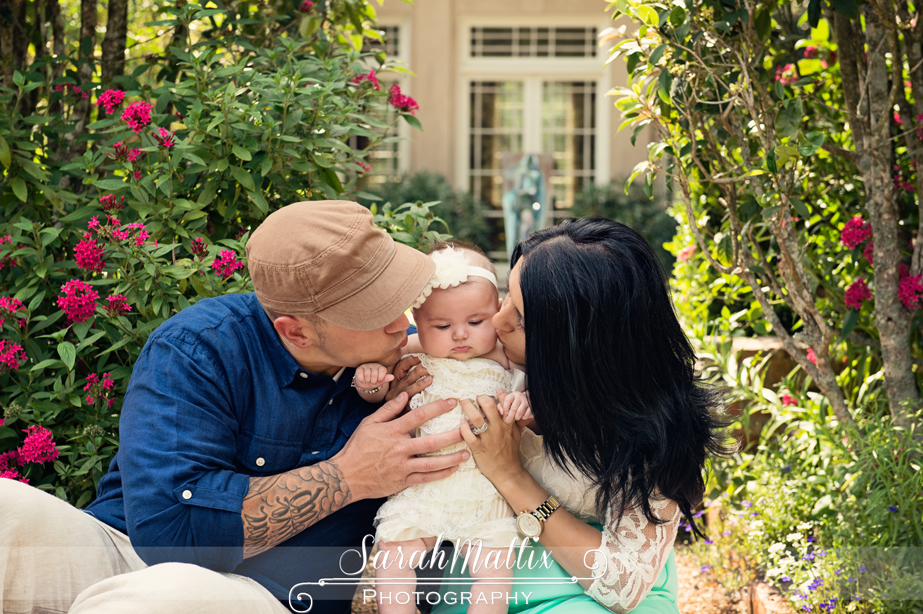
x,y
462,212
634,209
239,125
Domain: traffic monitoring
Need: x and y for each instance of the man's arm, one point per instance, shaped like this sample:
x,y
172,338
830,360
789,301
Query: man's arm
x,y
379,459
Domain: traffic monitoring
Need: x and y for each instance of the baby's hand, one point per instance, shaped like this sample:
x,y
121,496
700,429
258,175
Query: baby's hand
x,y
515,407
371,375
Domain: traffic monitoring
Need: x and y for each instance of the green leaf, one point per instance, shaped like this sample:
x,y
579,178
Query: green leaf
x,y
413,121
657,54
849,322
771,162
811,142
768,212
259,200
20,189
664,83
68,354
241,153
639,168
45,363
5,153
784,153
207,195
110,184
800,207
242,177
789,118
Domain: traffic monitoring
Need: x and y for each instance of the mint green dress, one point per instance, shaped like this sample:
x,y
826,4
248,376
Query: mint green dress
x,y
563,596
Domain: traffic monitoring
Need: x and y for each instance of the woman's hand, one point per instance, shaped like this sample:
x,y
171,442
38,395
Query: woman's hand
x,y
496,449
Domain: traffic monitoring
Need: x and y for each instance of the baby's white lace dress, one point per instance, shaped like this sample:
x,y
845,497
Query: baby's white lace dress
x,y
465,505
634,555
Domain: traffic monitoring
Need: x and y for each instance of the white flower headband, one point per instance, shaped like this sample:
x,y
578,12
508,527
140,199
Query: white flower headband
x,y
452,268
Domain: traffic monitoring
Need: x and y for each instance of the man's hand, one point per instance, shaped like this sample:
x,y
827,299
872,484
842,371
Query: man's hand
x,y
381,459
409,377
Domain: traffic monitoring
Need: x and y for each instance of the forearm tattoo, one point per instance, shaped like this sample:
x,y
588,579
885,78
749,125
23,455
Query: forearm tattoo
x,y
280,506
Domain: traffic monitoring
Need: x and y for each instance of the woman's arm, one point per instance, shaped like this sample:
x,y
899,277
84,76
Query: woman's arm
x,y
627,561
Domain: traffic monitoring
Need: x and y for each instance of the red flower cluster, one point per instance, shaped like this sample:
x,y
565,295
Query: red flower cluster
x,y
306,6
38,446
8,465
121,153
10,308
110,99
369,77
227,263
110,203
199,248
910,290
686,253
855,232
5,259
857,293
89,254
117,305
76,91
365,167
869,252
901,184
404,104
810,52
78,300
113,229
99,389
138,115
165,138
788,399
11,356
787,74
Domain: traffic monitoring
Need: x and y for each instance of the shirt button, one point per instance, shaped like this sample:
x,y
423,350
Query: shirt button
x,y
260,461
303,374
315,452
330,402
187,494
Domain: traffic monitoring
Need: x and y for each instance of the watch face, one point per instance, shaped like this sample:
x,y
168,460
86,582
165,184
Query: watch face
x,y
529,525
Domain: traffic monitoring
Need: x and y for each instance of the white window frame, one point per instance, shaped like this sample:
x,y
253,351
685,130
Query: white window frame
x,y
403,56
532,72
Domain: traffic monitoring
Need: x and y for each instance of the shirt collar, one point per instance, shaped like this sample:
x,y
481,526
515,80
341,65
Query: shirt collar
x,y
284,365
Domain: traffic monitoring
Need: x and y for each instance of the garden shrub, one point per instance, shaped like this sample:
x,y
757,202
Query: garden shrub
x,y
110,228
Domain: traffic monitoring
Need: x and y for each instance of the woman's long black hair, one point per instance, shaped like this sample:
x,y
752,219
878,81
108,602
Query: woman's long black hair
x,y
611,374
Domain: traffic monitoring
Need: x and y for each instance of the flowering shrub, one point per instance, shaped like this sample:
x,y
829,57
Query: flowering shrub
x,y
112,225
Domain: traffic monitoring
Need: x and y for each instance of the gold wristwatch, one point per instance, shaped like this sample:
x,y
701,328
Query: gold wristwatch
x,y
530,523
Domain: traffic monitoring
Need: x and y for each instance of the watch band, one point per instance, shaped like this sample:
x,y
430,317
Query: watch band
x,y
543,511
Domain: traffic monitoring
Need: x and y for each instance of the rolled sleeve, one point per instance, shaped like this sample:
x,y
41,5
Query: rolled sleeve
x,y
183,497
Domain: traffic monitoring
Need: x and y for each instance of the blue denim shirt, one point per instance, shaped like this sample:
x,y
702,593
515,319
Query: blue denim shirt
x,y
215,399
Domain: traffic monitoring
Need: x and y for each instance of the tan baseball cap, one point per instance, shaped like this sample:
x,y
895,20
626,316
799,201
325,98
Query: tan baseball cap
x,y
327,258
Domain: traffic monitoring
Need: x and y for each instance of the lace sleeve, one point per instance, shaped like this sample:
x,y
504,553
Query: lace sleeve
x,y
633,556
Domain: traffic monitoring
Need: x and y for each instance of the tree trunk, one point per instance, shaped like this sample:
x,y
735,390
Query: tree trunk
x,y
88,25
891,318
113,60
57,49
13,40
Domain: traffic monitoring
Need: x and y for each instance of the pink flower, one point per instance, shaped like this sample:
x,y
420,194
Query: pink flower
x,y
117,305
370,77
9,308
99,390
227,263
89,254
119,152
110,99
788,399
869,252
165,138
107,382
8,459
78,300
134,154
12,474
365,167
686,253
855,232
110,203
138,115
136,175
811,356
11,356
76,91
910,289
857,293
897,120
38,446
306,6
142,235
787,74
199,248
92,380
404,104
810,52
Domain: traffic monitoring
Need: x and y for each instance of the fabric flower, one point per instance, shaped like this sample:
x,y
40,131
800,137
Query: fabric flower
x,y
404,104
89,254
855,232
451,270
78,300
137,115
226,263
110,99
857,293
38,447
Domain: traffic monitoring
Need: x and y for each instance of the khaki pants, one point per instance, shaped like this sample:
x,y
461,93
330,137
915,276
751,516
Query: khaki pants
x,y
55,558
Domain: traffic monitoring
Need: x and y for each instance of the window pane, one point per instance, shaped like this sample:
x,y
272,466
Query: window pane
x,y
568,122
533,42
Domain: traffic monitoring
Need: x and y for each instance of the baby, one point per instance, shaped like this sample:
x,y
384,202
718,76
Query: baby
x,y
461,352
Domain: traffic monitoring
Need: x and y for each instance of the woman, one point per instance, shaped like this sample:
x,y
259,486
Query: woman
x,y
624,423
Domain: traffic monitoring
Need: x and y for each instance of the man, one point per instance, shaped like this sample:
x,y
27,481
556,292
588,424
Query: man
x,y
247,463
